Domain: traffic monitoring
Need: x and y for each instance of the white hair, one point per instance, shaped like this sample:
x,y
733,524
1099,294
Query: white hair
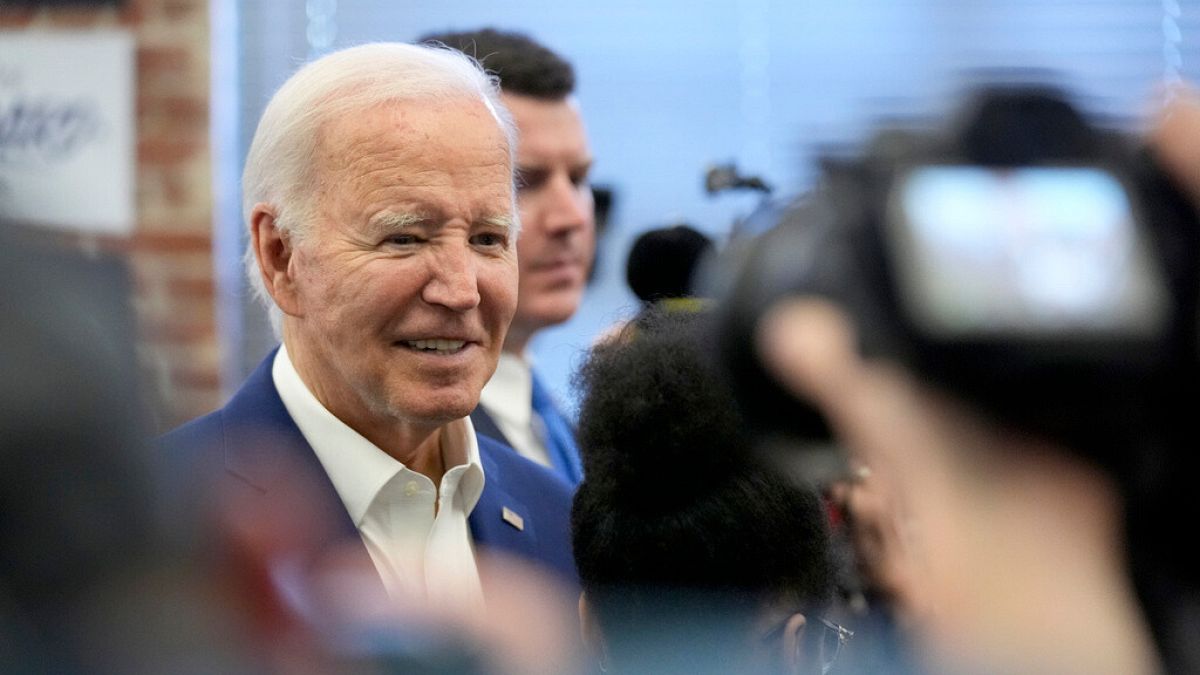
x,y
280,166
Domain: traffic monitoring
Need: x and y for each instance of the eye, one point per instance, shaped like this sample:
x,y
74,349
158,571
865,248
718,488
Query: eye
x,y
530,179
489,239
402,239
579,177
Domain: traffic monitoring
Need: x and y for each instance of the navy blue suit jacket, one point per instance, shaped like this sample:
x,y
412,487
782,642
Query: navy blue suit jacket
x,y
253,443
486,426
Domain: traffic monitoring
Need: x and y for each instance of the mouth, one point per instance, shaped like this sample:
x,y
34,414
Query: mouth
x,y
442,346
567,272
557,264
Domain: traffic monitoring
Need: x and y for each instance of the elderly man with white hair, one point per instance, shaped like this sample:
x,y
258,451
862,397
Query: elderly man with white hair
x,y
379,196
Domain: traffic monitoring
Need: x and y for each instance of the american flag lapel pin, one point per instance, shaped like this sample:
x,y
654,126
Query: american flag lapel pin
x,y
512,518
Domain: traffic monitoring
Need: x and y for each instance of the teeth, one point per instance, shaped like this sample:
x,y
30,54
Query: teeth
x,y
437,345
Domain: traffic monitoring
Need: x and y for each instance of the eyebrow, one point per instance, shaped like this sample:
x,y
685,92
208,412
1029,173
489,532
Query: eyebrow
x,y
533,167
506,221
389,221
393,220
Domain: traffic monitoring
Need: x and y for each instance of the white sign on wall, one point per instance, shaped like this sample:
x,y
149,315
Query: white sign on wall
x,y
67,145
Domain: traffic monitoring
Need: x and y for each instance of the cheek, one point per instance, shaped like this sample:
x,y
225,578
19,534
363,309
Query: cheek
x,y
527,207
511,285
498,284
316,286
340,292
529,242
528,246
589,239
358,296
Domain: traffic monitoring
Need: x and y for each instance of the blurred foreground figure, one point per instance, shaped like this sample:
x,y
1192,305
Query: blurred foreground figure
x,y
693,558
558,237
379,195
1024,545
91,581
1043,503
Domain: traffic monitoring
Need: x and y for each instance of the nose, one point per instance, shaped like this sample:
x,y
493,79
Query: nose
x,y
453,279
567,206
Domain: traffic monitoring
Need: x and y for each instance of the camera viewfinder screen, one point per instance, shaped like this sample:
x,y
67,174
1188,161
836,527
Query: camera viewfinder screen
x,y
1035,252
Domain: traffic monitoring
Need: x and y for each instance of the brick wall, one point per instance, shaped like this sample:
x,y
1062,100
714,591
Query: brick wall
x,y
170,252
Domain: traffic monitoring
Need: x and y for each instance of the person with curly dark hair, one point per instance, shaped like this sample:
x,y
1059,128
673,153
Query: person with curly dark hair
x,y
558,236
693,556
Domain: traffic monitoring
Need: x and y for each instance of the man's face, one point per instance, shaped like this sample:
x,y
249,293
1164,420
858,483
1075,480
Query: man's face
x,y
558,235
406,283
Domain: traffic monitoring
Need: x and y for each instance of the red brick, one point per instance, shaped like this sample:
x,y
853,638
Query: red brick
x,y
178,111
159,59
16,17
168,331
183,315
132,12
195,378
166,151
176,190
192,288
79,17
156,268
168,353
186,258
180,10
150,240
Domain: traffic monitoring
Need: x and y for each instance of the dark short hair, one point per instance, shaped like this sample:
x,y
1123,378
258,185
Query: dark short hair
x,y
662,262
673,503
523,66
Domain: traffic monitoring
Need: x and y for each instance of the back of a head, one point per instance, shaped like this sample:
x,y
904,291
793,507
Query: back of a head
x,y
524,66
282,163
662,262
674,516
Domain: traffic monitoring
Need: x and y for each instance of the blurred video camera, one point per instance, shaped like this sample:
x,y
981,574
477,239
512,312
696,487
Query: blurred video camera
x,y
1036,266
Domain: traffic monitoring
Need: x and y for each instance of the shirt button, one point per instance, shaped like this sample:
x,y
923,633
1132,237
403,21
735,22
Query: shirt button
x,y
411,488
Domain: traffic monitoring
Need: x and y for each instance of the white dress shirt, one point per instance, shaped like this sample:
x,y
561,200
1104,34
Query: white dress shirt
x,y
418,551
508,398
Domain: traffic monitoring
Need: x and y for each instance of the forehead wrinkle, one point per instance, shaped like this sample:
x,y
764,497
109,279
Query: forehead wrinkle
x,y
365,170
341,148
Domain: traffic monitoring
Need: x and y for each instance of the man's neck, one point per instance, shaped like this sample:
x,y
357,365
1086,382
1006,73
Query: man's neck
x,y
418,450
415,444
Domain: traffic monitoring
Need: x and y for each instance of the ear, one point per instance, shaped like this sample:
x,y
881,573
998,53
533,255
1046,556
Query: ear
x,y
593,637
792,644
274,248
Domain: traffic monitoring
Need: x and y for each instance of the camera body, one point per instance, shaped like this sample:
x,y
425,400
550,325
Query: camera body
x,y
1033,265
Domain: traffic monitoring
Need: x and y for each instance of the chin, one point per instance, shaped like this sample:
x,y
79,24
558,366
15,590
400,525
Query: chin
x,y
547,314
437,408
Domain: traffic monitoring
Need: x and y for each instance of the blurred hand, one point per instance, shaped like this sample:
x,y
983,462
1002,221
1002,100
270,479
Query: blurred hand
x,y
875,411
881,532
1175,138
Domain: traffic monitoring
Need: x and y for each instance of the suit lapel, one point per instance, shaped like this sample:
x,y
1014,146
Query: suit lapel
x,y
265,448
485,425
514,530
